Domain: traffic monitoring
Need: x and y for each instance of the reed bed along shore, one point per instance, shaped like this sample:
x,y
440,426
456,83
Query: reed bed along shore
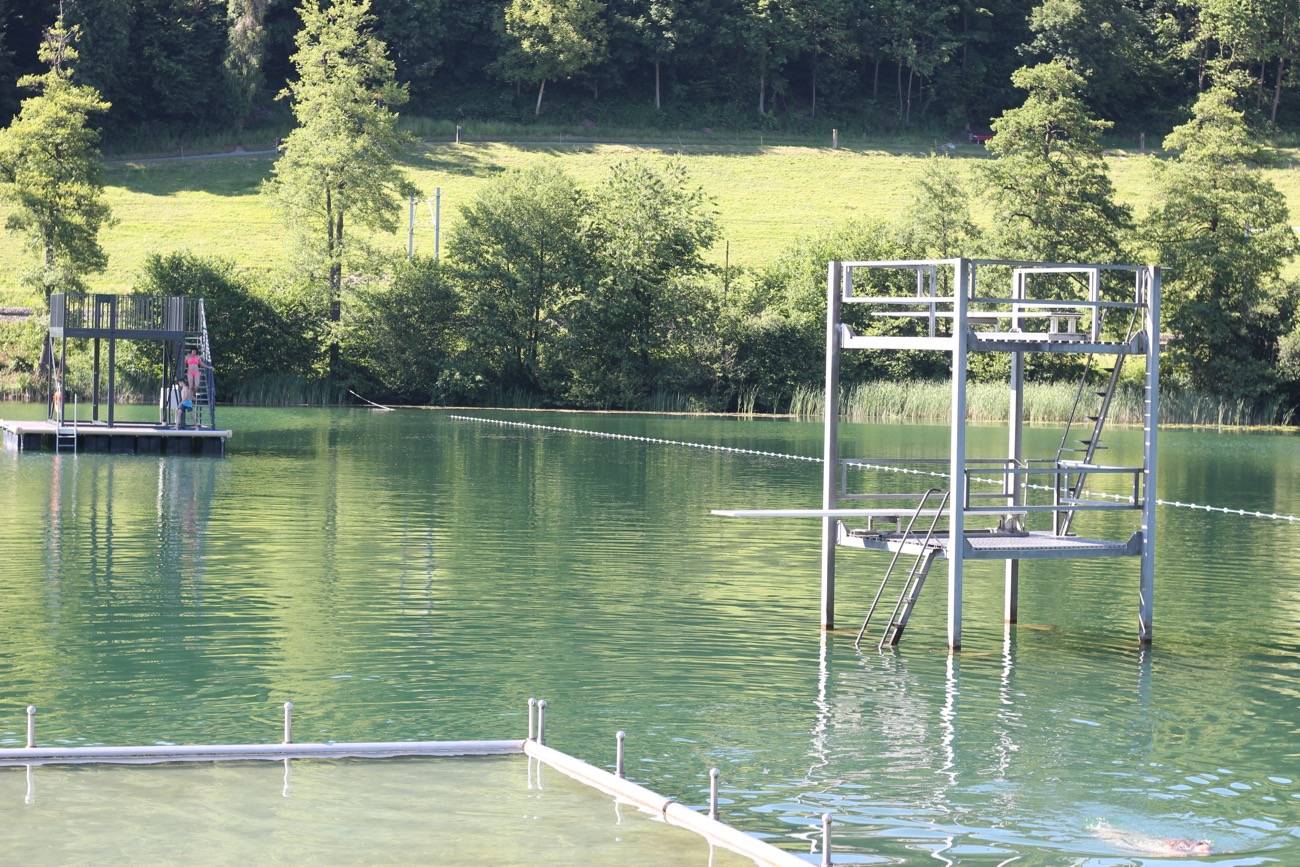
x,y
1045,403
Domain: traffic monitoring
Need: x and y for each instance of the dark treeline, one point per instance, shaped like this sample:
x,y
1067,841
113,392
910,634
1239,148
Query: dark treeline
x,y
181,66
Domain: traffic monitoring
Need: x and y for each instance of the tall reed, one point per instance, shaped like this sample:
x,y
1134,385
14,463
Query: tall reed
x,y
915,401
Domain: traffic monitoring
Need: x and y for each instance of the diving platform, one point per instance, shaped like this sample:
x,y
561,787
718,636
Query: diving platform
x,y
80,367
120,438
1011,506
882,530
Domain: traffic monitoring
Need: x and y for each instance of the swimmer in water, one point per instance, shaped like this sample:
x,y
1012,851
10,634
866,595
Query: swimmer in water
x,y
1135,842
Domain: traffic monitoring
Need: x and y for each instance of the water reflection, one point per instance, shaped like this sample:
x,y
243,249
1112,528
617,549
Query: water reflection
x,y
400,576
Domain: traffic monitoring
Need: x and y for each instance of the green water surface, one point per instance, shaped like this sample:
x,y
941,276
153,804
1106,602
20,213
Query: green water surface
x,y
408,575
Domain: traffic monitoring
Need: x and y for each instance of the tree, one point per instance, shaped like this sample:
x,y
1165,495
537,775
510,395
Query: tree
x,y
662,25
340,162
1224,232
937,222
416,35
402,328
159,62
250,336
553,39
245,53
771,32
518,249
1104,41
1052,199
49,171
647,231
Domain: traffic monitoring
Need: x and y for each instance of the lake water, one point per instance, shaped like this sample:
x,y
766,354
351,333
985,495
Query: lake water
x,y
408,575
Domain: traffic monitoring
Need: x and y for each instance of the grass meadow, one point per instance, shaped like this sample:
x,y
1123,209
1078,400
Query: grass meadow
x,y
766,194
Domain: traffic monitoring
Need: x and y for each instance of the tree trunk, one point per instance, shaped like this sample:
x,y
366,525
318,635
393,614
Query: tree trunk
x,y
875,82
1277,91
907,114
540,91
899,88
762,94
333,249
658,104
813,113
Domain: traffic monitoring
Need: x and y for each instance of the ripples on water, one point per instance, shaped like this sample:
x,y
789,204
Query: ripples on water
x,y
401,575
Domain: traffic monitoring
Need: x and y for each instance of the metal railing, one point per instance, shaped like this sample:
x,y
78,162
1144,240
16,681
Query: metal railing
x,y
124,312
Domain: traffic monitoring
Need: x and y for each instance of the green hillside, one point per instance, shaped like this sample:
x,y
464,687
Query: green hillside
x,y
766,196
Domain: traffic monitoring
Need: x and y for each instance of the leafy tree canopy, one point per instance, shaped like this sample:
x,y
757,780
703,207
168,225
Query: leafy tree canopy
x,y
49,171
1052,198
1224,232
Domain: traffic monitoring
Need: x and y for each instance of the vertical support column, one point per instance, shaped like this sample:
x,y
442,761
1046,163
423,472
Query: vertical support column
x,y
112,355
957,452
62,382
831,442
94,386
1150,427
1016,455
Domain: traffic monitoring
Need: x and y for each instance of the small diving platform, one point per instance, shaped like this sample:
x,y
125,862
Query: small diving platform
x,y
119,438
861,528
86,328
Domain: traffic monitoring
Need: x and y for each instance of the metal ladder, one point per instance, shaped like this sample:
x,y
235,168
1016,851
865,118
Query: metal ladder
x,y
65,435
1073,487
911,590
65,439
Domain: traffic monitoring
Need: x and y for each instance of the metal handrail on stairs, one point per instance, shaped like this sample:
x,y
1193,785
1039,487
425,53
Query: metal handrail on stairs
x,y
1093,442
909,592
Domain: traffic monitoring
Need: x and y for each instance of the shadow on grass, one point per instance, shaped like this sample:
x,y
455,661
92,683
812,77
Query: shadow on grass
x,y
230,175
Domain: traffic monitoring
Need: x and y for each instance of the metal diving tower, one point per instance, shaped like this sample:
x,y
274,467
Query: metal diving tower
x,y
1010,508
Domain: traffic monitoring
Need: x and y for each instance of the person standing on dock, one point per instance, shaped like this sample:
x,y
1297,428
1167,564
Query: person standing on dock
x,y
174,403
187,404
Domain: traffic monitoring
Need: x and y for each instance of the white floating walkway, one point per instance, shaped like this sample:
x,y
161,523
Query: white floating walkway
x,y
669,810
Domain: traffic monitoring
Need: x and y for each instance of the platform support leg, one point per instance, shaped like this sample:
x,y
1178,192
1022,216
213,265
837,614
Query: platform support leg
x,y
830,445
1150,427
1015,459
957,454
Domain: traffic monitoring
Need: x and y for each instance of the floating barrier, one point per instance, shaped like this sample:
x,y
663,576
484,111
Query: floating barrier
x,y
668,809
1226,510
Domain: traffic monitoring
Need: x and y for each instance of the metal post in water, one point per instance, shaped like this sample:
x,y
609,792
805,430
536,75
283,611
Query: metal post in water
x,y
618,760
288,722
532,713
541,722
713,793
826,840
31,726
830,441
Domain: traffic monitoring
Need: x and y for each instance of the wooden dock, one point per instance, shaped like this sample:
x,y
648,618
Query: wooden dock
x,y
120,438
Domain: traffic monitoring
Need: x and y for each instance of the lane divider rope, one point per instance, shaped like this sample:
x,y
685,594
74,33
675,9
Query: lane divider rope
x,y
817,460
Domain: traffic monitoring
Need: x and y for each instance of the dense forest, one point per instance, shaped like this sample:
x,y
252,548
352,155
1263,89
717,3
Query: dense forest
x,y
190,65
558,294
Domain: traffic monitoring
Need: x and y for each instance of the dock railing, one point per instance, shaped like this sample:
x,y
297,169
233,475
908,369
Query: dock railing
x,y
125,314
